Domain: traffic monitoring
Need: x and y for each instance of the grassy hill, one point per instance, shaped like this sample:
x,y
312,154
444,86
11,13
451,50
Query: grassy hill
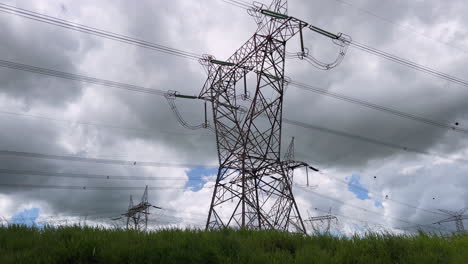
x,y
90,245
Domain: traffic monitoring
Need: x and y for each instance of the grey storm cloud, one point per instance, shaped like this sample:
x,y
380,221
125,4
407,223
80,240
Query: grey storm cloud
x,y
151,132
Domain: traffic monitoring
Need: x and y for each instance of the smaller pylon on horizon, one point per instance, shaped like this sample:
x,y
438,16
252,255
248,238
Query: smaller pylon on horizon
x,y
455,216
137,215
328,218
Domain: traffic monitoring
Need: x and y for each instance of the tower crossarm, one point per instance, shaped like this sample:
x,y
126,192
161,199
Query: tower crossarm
x,y
321,218
452,213
463,210
452,219
244,60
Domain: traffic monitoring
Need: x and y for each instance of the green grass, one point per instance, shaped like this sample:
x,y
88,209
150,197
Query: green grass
x,y
91,245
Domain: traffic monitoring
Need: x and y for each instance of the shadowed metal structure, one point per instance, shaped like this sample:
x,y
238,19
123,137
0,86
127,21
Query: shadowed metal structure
x,y
328,218
137,215
254,186
455,216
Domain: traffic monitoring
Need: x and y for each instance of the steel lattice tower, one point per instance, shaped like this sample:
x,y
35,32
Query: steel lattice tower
x,y
328,218
137,215
455,216
254,186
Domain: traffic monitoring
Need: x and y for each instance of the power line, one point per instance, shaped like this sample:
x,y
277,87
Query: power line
x,y
142,89
380,196
366,221
377,107
390,57
90,188
285,120
106,177
80,78
106,34
102,161
288,121
360,208
408,63
366,139
328,131
356,219
72,122
95,31
89,217
386,198
109,177
405,27
79,27
237,4
76,77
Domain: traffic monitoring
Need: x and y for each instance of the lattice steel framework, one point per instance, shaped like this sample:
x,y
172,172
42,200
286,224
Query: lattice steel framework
x,y
137,215
328,218
457,217
254,186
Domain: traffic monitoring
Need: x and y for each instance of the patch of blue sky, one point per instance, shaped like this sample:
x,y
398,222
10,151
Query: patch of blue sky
x,y
378,204
355,186
196,181
26,217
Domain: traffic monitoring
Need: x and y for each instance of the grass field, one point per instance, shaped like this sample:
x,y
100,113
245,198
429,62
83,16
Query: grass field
x,y
90,245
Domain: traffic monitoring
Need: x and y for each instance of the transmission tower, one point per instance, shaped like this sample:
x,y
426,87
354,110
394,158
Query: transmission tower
x,y
328,218
137,215
253,187
248,127
455,216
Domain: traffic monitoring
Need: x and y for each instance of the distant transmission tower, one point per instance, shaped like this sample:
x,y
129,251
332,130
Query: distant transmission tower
x,y
455,216
137,215
328,218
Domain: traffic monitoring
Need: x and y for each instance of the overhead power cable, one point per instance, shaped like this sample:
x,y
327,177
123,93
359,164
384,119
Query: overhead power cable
x,y
327,131
237,3
58,74
367,221
389,56
409,63
106,177
80,78
361,208
85,123
95,31
285,120
380,196
106,34
386,198
90,188
368,140
377,107
102,161
293,122
86,79
410,29
355,219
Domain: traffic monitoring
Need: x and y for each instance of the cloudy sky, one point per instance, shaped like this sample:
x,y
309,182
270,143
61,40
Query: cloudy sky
x,y
363,183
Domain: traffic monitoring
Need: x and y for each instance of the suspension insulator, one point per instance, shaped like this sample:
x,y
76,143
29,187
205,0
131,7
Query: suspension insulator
x,y
274,14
